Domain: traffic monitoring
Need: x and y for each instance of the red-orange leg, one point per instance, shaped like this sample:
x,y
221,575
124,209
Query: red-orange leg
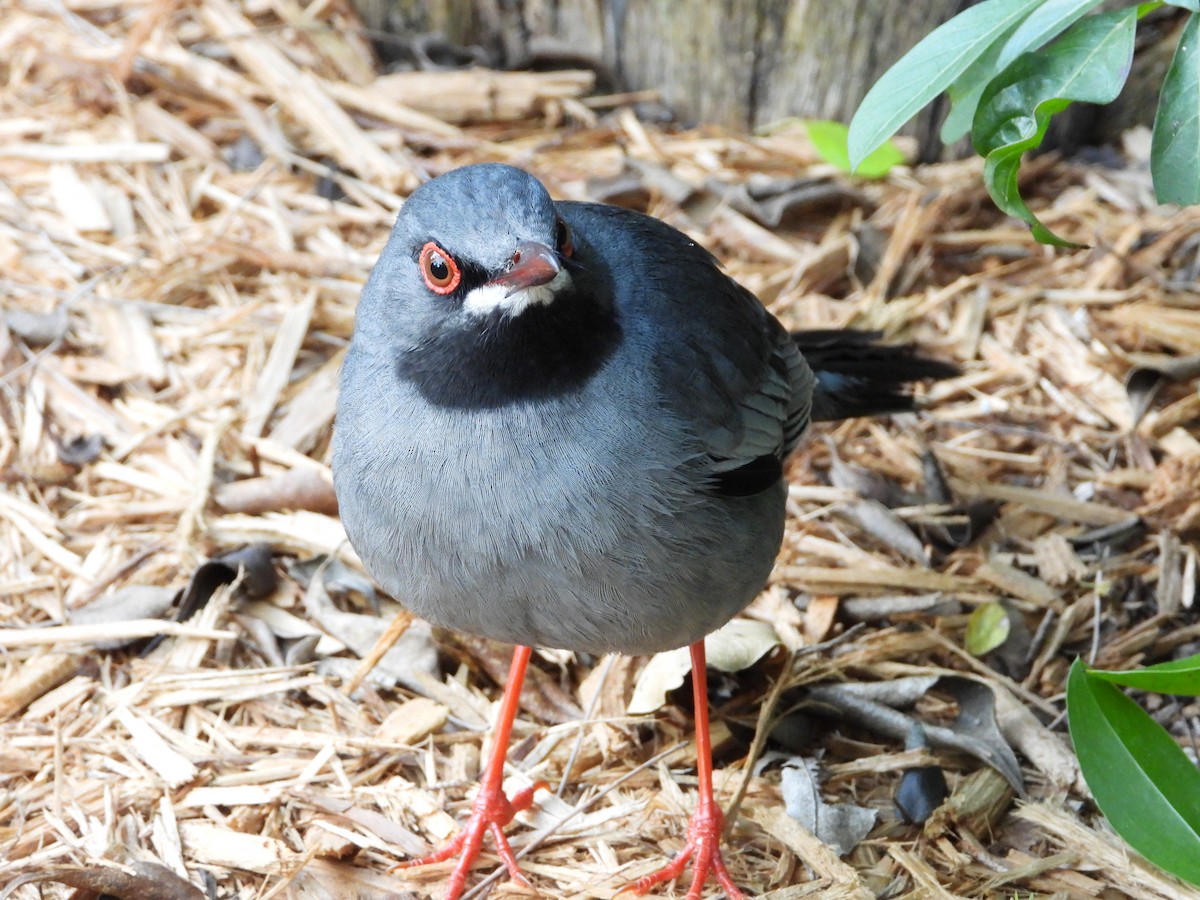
x,y
492,810
703,845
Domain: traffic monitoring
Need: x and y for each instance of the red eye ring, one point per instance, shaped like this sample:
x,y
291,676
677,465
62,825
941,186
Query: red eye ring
x,y
438,268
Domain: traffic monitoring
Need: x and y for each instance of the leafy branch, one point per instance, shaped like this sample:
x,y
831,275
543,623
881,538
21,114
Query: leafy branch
x,y
1009,66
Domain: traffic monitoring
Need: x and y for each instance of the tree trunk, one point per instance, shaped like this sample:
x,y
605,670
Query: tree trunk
x,y
738,63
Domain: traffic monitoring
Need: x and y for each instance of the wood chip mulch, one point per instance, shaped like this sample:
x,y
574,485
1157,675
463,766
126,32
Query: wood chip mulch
x,y
191,196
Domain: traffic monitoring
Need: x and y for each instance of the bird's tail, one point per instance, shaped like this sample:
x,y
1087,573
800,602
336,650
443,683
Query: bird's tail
x,y
857,376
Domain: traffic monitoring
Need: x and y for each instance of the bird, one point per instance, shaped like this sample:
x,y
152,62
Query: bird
x,y
560,424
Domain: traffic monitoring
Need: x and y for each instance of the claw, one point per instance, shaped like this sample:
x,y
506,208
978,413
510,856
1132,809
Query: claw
x,y
703,845
490,812
703,850
492,809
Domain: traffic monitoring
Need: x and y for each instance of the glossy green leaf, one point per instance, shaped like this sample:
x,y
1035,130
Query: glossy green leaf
x,y
829,139
1175,149
968,87
1179,676
1140,778
1088,63
928,69
987,628
1041,26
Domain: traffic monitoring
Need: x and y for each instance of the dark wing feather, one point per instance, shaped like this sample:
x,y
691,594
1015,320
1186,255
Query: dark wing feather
x,y
858,376
749,396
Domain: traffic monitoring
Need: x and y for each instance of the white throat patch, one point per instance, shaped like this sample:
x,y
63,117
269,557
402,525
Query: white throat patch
x,y
489,298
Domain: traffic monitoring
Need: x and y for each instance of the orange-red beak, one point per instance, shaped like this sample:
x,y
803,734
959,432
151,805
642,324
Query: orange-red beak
x,y
532,264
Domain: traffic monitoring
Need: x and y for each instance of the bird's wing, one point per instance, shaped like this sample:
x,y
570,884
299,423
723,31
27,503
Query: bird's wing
x,y
742,383
721,364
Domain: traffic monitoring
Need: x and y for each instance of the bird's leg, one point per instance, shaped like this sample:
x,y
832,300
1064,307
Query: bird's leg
x,y
492,810
703,844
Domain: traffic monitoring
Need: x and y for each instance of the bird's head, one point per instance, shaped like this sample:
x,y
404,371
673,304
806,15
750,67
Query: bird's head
x,y
480,295
480,241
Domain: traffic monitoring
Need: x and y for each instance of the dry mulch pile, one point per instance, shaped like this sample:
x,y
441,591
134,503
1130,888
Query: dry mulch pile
x,y
190,199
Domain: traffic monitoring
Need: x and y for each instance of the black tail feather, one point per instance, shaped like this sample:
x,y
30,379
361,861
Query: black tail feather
x,y
857,376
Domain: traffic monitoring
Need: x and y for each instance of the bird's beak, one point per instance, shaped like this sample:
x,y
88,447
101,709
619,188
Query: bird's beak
x,y
532,264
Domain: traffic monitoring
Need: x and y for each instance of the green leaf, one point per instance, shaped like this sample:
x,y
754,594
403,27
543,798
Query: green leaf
x,y
1179,676
1041,26
1140,778
966,90
829,139
1088,63
987,628
1192,5
928,69
1175,148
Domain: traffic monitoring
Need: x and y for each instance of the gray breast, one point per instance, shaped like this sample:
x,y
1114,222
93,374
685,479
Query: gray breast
x,y
545,523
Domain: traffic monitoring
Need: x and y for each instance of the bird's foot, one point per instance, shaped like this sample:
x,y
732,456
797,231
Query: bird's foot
x,y
703,848
491,811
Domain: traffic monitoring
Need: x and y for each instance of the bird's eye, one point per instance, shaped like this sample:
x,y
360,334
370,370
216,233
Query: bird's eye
x,y
562,238
438,268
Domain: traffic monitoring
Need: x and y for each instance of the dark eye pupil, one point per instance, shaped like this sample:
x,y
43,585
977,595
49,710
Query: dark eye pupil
x,y
438,269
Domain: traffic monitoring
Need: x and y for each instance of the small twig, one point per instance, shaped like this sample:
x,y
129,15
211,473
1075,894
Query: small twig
x,y
123,571
391,634
587,718
762,730
192,518
1189,722
107,631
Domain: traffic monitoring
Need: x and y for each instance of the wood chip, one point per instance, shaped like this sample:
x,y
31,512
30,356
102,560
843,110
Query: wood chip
x,y
171,766
214,845
34,679
844,881
413,721
109,631
1017,583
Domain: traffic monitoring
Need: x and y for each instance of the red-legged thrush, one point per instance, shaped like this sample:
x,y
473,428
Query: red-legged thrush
x,y
561,425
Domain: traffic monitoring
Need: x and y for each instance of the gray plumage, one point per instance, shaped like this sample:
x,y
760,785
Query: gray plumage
x,y
599,471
